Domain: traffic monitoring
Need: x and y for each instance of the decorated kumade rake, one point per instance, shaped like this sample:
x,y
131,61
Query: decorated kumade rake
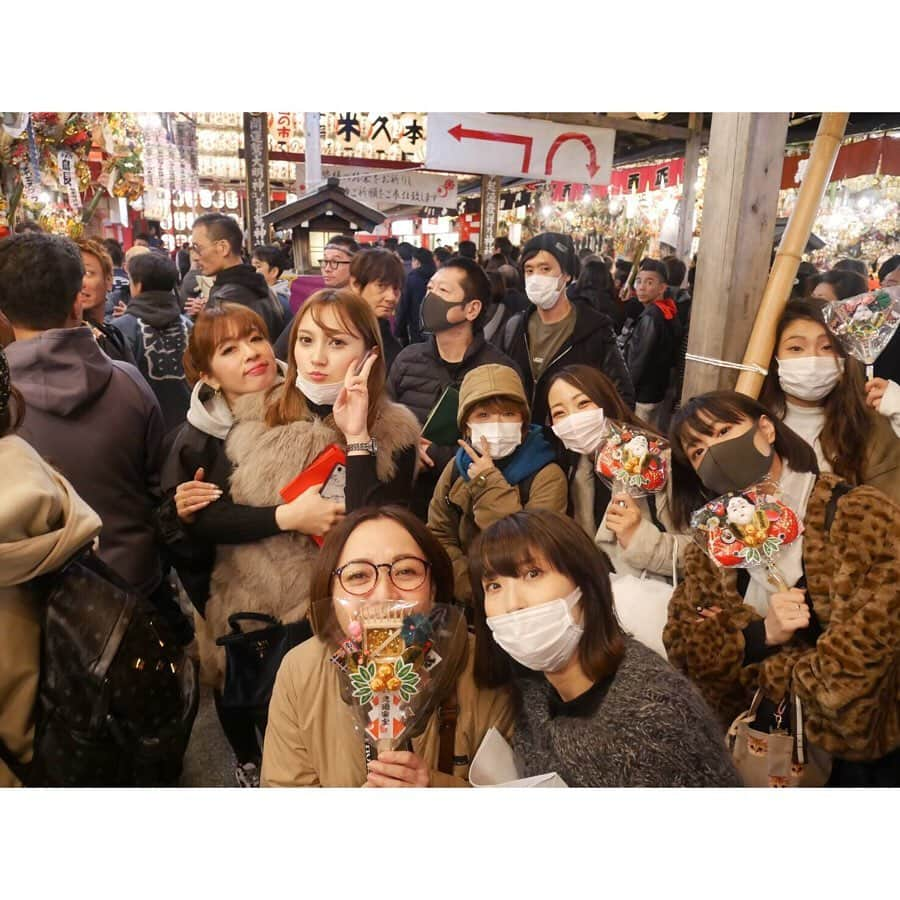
x,y
865,324
632,461
389,659
747,530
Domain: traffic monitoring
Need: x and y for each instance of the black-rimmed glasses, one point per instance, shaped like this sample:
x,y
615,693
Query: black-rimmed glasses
x,y
358,577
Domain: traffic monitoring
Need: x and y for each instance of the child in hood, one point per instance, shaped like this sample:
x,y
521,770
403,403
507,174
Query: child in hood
x,y
504,465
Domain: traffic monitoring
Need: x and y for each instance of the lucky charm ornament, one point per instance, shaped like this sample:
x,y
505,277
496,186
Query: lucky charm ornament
x,y
391,656
865,324
747,530
632,461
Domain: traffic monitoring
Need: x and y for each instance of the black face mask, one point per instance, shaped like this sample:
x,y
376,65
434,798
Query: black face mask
x,y
433,314
734,465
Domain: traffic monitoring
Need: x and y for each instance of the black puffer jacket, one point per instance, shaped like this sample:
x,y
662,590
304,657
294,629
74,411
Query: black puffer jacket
x,y
593,343
417,379
243,284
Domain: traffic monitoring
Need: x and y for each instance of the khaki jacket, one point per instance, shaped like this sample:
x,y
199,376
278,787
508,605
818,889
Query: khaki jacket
x,y
849,680
458,514
650,550
311,740
882,468
42,523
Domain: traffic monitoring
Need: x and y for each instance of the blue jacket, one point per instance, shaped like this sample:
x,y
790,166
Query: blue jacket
x,y
530,457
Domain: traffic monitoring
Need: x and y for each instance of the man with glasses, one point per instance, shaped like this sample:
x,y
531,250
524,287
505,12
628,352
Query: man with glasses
x,y
335,266
216,241
335,261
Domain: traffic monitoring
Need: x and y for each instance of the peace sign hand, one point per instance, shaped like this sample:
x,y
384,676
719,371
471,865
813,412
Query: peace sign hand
x,y
481,462
351,409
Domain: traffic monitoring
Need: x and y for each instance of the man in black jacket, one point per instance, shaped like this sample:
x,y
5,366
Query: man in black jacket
x,y
157,333
651,347
559,332
406,326
452,311
216,240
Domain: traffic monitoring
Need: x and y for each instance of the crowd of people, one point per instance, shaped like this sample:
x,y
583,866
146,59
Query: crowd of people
x,y
154,407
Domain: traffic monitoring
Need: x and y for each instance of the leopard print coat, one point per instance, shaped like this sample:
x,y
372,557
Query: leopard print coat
x,y
849,682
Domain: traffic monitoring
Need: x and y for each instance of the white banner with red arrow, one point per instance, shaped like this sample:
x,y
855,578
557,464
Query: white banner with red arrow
x,y
528,148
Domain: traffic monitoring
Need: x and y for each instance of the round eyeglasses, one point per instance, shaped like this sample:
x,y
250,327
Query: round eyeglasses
x,y
359,577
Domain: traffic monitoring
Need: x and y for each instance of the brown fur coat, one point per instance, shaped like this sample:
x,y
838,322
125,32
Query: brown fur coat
x,y
273,575
849,682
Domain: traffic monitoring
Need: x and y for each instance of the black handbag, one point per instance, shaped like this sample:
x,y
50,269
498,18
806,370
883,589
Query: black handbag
x,y
252,659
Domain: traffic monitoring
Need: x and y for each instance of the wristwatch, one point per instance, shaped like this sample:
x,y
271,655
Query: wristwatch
x,y
368,447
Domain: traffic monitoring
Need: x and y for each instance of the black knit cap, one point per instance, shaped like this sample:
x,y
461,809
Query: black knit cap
x,y
4,382
558,245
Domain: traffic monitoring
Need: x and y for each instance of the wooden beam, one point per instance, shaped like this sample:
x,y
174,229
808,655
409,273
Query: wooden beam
x,y
689,195
822,157
746,152
598,120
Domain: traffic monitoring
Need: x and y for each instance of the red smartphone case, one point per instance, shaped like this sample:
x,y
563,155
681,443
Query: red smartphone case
x,y
316,472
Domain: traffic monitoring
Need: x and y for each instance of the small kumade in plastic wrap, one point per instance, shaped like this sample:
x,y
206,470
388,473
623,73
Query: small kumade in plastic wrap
x,y
747,530
392,660
865,323
632,461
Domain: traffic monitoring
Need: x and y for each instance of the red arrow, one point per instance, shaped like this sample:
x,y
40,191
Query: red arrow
x,y
497,136
592,166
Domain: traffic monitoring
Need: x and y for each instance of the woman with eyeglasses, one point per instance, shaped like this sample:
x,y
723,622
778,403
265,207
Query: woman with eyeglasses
x,y
374,556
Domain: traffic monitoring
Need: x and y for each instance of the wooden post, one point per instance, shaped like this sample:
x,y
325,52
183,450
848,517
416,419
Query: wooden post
x,y
689,194
822,157
490,212
256,160
746,154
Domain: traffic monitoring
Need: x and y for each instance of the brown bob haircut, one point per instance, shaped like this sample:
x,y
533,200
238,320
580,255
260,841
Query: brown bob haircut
x,y
513,543
379,266
227,322
321,609
97,250
286,403
697,417
594,384
848,421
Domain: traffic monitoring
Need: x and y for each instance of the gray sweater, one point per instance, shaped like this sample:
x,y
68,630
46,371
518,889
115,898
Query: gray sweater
x,y
647,726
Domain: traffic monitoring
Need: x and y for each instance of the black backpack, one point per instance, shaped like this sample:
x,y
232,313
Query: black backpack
x,y
117,695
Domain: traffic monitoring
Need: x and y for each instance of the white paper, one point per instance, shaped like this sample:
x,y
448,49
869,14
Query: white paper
x,y
495,766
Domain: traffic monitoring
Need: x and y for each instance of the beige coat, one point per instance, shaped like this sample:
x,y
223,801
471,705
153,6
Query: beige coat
x,y
458,514
273,575
311,740
649,550
42,523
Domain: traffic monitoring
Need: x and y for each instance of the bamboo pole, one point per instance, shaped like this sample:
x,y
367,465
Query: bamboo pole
x,y
784,270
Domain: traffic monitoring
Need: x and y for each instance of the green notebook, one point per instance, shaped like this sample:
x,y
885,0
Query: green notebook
x,y
440,426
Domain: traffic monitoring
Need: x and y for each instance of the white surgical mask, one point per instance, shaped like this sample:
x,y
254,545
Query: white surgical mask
x,y
810,378
320,394
541,638
542,290
502,437
583,431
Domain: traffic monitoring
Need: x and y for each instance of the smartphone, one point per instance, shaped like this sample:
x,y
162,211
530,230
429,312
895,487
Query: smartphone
x,y
333,489
372,352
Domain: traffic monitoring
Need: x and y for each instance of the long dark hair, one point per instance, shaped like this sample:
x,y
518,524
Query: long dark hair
x,y
321,611
697,416
595,282
848,421
508,545
603,392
